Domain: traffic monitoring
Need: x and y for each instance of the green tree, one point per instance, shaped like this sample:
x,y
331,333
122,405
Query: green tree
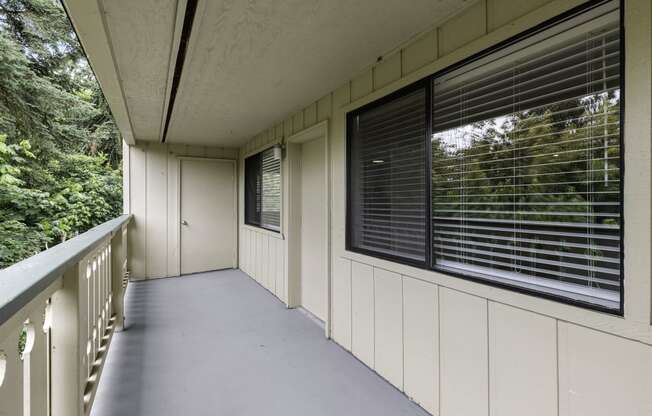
x,y
60,151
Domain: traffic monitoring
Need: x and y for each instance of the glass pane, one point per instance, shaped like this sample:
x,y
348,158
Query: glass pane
x,y
271,190
253,189
526,168
387,182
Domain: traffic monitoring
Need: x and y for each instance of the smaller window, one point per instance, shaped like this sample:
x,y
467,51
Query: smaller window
x,y
263,190
387,178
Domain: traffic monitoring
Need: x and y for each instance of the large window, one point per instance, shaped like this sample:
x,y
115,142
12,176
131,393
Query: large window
x,y
525,166
263,190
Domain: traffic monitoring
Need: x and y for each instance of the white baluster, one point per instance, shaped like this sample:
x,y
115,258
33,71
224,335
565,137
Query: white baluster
x,y
69,333
11,388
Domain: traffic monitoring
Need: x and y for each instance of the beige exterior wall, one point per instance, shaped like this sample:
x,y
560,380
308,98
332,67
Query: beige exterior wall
x,y
151,194
262,256
459,347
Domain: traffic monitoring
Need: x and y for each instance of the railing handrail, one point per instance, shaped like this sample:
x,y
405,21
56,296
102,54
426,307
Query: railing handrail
x,y
24,280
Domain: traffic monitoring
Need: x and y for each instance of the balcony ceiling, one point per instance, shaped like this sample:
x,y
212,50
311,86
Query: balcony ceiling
x,y
248,64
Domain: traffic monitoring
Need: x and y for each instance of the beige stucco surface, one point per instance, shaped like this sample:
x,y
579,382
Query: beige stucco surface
x,y
246,65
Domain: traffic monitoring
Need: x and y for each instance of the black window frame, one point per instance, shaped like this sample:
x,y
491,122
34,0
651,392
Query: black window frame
x,y
258,158
427,82
423,84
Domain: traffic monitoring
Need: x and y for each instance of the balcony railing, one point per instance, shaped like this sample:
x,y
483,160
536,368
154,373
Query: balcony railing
x,y
63,306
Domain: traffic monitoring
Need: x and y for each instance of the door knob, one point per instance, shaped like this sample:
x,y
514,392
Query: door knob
x,y
184,222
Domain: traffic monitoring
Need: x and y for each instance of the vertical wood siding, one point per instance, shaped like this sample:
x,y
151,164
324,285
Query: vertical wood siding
x,y
421,343
464,354
522,380
362,313
456,347
261,257
341,302
151,184
388,326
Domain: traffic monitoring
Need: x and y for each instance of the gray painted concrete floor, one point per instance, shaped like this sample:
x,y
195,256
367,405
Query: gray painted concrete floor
x,y
219,344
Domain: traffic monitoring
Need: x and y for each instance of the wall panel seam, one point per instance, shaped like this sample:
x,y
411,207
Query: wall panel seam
x,y
439,350
557,363
351,304
402,334
643,330
489,338
167,212
146,217
373,311
486,17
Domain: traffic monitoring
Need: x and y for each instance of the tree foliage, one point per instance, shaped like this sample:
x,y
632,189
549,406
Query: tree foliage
x,y
60,151
529,172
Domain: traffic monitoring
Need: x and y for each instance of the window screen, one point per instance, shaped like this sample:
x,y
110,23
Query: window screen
x,y
387,178
263,190
526,185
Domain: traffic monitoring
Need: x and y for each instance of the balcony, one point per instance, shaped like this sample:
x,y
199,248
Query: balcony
x,y
67,303
441,185
224,345
215,339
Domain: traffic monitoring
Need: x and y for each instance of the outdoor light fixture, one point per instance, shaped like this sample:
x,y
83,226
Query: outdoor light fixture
x,y
378,161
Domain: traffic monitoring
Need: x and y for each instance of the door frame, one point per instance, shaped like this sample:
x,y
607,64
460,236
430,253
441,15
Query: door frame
x,y
293,212
234,260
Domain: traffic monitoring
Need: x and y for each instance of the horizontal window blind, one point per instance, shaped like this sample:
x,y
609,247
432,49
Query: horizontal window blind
x,y
526,185
263,190
253,190
387,178
271,192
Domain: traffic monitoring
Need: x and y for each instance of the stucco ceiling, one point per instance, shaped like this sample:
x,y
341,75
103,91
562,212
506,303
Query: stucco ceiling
x,y
141,33
249,63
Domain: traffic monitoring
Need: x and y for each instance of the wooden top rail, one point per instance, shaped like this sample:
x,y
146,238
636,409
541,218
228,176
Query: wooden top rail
x,y
24,281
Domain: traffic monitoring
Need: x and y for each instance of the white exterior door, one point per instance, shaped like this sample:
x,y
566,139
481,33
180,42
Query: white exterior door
x,y
208,215
314,207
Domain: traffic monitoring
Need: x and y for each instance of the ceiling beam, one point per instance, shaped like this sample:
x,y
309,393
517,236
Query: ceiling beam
x,y
174,50
180,47
87,18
